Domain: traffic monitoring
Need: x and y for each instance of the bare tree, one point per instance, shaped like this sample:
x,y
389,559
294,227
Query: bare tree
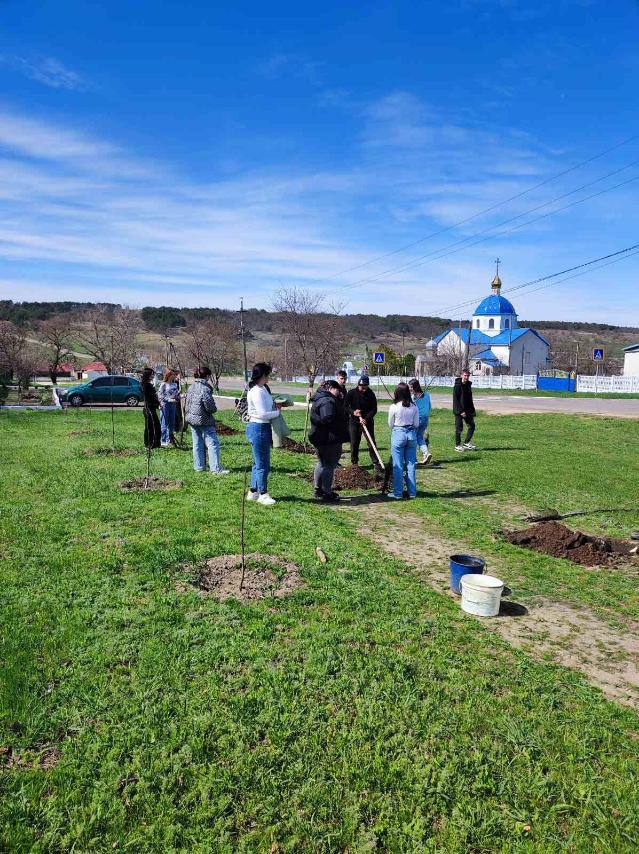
x,y
212,343
315,335
17,357
56,334
111,336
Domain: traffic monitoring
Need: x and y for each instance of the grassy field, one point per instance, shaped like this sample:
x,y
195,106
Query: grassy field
x,y
364,712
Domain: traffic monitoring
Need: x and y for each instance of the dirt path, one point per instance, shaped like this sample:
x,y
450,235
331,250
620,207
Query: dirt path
x,y
561,632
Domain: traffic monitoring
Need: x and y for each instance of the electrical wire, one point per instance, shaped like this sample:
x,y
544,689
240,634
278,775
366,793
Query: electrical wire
x,y
480,213
453,248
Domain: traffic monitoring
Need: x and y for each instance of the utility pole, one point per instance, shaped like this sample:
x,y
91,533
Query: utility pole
x,y
286,358
242,334
403,352
577,359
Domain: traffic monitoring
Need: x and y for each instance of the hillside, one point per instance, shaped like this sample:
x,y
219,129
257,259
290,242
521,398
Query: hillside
x,y
402,333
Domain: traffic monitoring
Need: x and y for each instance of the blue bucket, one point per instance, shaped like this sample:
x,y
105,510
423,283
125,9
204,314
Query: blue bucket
x,y
461,565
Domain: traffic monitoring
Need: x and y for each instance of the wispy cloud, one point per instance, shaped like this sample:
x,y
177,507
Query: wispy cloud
x,y
79,214
295,65
46,70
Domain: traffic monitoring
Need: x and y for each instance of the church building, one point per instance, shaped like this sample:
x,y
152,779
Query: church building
x,y
495,344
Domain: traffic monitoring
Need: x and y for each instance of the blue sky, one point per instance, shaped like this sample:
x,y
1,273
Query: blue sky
x,y
192,153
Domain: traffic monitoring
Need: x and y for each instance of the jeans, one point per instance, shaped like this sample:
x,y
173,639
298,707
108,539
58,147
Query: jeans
x,y
355,430
421,430
404,452
259,435
327,460
205,439
167,419
459,426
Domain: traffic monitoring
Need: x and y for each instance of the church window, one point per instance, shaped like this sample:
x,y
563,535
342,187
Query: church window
x,y
507,323
491,323
478,366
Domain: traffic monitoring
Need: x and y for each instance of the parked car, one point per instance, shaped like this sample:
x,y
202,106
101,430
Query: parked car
x,y
116,389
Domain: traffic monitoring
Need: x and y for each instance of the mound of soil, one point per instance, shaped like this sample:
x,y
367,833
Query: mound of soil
x,y
297,447
224,429
553,538
81,432
143,484
110,452
356,477
264,575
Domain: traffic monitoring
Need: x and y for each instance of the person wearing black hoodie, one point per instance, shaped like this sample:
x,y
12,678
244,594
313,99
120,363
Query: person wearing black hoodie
x,y
361,405
464,410
152,429
328,431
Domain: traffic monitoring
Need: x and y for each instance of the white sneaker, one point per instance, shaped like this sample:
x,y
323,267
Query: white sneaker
x,y
460,448
428,459
165,444
252,496
266,499
469,446
221,471
394,497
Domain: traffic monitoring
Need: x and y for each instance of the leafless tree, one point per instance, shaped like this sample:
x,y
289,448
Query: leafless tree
x,y
315,333
56,334
212,343
17,357
111,336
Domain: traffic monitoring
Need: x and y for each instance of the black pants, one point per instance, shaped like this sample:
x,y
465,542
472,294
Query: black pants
x,y
152,431
327,460
459,426
355,430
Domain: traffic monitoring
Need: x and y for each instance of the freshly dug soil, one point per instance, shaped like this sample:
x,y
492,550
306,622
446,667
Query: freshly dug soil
x,y
553,538
224,429
297,447
356,477
265,575
139,484
110,452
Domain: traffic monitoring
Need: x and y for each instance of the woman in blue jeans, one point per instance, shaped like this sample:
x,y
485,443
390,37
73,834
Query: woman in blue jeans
x,y
261,411
200,414
403,419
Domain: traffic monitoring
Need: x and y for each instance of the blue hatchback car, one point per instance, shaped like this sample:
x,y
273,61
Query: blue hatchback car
x,y
109,389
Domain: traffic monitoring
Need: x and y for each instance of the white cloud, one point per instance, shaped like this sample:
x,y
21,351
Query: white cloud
x,y
46,70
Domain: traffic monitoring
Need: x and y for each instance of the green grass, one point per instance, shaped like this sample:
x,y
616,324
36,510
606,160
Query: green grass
x,y
364,712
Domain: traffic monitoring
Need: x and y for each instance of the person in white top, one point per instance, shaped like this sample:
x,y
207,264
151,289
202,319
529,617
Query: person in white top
x,y
261,411
403,419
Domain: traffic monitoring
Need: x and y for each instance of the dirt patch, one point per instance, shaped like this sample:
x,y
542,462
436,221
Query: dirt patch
x,y
224,429
144,484
43,757
555,539
265,575
356,477
546,630
289,444
81,432
110,452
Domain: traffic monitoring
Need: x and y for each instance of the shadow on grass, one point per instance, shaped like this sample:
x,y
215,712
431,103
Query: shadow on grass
x,y
512,609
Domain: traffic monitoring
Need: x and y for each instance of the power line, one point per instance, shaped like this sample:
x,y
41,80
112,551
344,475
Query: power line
x,y
481,212
612,255
467,242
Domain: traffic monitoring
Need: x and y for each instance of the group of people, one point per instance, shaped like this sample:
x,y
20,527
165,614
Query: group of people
x,y
337,416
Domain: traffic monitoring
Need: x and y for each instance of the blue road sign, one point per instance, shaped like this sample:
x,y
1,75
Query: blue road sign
x,y
598,354
379,358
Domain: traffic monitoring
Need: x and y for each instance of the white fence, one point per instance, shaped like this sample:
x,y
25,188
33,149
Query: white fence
x,y
527,381
620,385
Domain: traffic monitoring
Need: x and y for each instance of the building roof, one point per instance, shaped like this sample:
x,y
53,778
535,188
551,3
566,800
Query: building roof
x,y
503,339
633,348
494,304
486,356
94,366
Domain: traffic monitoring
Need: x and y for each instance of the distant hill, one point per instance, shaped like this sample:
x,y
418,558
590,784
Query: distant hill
x,y
399,331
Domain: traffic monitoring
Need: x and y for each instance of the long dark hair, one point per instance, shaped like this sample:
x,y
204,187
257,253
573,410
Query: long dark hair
x,y
415,387
260,369
402,394
147,375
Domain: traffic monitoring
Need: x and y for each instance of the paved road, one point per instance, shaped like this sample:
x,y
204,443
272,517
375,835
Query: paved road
x,y
511,405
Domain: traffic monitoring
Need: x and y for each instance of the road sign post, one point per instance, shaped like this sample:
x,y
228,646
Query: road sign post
x,y
598,354
379,358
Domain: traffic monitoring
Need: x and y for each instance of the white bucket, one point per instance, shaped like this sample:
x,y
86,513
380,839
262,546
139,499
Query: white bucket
x,y
481,594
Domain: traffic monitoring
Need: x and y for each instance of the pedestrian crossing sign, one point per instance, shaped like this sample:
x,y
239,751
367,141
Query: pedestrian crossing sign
x,y
379,358
598,354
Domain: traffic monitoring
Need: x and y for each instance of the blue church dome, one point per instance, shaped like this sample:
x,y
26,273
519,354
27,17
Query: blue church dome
x,y
495,304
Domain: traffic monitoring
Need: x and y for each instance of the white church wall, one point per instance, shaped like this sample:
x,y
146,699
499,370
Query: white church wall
x,y
631,364
534,355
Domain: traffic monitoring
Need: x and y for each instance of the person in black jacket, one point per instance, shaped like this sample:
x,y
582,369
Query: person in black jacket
x,y
152,430
361,405
328,431
464,410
